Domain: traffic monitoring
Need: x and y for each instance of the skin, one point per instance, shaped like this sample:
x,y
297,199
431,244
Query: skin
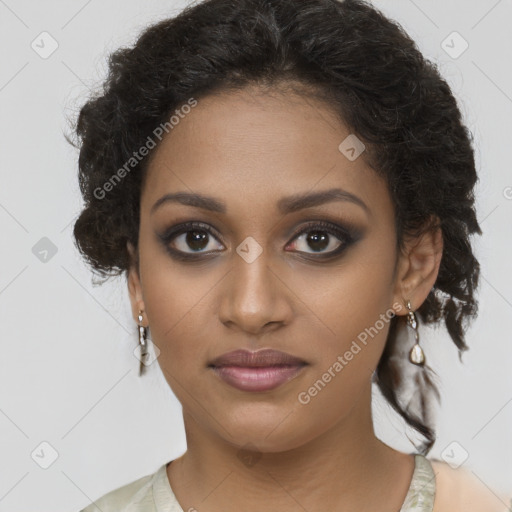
x,y
249,149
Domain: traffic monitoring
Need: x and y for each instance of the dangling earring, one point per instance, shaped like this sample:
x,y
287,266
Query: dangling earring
x,y
142,342
416,355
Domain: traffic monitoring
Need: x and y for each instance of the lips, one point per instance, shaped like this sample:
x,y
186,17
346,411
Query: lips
x,y
261,358
263,370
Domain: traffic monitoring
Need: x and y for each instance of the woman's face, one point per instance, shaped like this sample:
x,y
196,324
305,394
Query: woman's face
x,y
266,267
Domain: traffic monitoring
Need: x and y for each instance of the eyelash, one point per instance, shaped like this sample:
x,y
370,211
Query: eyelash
x,y
346,235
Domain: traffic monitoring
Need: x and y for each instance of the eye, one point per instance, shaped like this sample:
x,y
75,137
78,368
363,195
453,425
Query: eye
x,y
190,239
323,238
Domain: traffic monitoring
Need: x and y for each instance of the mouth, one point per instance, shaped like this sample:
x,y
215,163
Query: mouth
x,y
263,370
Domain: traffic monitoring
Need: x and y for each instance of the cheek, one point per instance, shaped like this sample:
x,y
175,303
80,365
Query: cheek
x,y
176,301
347,301
354,309
172,307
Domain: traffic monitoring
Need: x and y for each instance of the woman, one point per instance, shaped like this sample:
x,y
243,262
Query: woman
x,y
288,187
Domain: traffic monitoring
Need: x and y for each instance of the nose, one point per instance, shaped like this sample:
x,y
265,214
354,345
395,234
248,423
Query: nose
x,y
255,298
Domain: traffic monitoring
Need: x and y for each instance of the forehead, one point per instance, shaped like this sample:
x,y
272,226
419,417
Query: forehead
x,y
256,146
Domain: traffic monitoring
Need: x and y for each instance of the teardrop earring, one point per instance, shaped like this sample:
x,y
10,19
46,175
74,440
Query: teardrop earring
x,y
416,355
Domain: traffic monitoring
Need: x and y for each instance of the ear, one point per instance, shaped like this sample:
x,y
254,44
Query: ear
x,y
418,268
134,285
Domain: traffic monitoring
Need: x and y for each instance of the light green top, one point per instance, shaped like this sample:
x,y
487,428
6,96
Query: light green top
x,y
153,493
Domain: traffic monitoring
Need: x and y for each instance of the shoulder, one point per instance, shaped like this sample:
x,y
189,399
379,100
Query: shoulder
x,y
459,490
133,496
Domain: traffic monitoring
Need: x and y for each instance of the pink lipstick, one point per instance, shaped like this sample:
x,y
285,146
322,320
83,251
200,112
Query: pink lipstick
x,y
257,371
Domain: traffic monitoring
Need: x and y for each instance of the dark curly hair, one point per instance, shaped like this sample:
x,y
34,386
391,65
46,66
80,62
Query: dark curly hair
x,y
347,53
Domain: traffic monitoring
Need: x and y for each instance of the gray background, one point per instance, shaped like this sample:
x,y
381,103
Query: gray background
x,y
68,375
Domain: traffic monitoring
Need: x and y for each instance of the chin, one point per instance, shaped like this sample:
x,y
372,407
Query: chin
x,y
266,434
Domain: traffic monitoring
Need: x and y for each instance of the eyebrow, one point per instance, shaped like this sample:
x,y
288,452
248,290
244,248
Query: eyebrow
x,y
285,205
